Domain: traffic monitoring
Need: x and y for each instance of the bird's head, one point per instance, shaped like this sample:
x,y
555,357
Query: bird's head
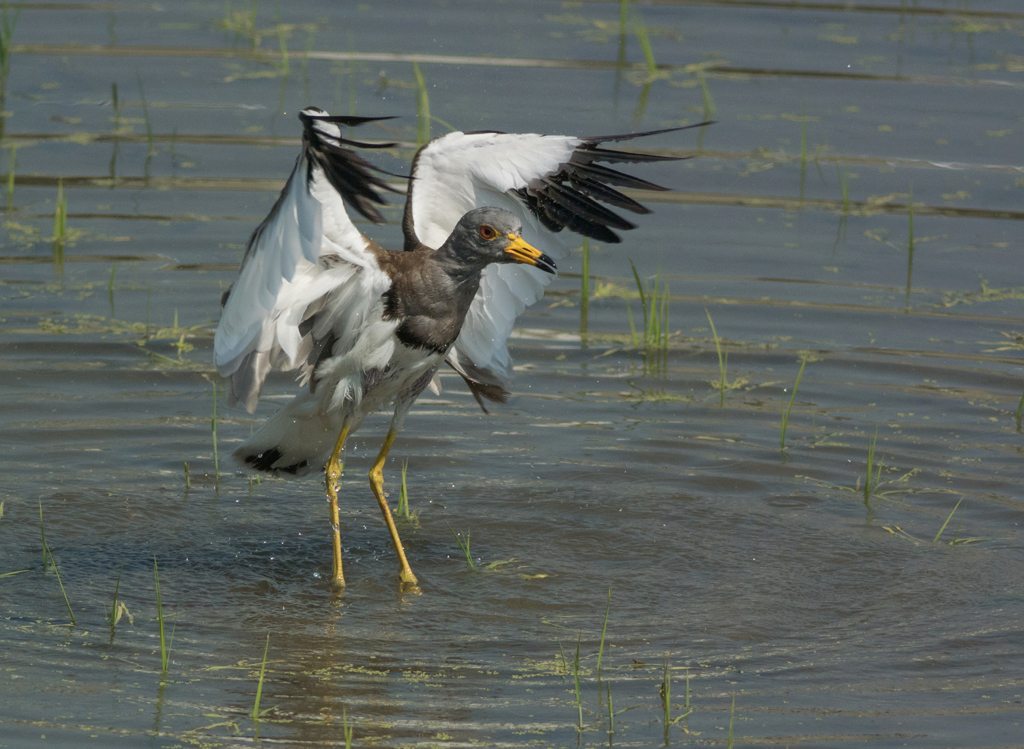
x,y
494,235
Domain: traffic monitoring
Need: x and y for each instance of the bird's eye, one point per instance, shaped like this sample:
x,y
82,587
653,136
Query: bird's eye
x,y
488,232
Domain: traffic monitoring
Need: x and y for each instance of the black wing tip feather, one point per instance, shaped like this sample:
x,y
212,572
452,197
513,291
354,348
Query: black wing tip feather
x,y
595,139
353,177
568,199
313,113
264,461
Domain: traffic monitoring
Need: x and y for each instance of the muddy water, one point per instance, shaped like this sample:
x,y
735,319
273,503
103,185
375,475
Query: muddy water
x,y
789,607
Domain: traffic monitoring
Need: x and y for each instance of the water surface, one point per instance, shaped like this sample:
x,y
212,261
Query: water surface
x,y
761,580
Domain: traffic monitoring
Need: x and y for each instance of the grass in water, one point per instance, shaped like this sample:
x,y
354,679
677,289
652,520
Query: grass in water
x,y
188,477
305,66
950,517
844,189
42,536
723,360
241,22
803,150
576,682
53,563
604,631
259,685
165,652
60,225
145,116
346,728
666,698
707,100
110,287
844,186
213,431
910,247
285,67
116,104
6,34
611,713
1020,412
403,498
118,607
872,478
422,107
561,652
12,164
792,397
654,306
645,43
732,718
585,288
463,546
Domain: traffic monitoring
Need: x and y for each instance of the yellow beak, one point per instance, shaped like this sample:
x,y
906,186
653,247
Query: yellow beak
x,y
523,252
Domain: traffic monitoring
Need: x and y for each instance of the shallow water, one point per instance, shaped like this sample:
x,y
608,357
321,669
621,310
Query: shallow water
x,y
788,606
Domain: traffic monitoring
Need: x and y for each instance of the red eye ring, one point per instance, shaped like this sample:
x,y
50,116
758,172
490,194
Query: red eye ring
x,y
488,232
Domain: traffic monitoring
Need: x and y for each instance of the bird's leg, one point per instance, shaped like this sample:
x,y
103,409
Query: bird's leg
x,y
377,485
333,472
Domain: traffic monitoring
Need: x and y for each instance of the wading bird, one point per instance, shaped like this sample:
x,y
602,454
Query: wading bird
x,y
367,327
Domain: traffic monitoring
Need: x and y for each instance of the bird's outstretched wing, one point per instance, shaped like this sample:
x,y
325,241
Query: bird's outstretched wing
x,y
306,255
552,182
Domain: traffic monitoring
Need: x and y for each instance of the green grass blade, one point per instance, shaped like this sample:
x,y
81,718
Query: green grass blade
x,y
643,296
403,495
42,536
259,685
732,718
611,712
53,562
145,116
803,150
869,487
707,100
950,517
666,698
213,431
576,681
12,165
632,327
113,606
721,359
422,107
1020,411
604,631
346,729
67,603
792,397
645,43
463,546
910,246
844,187
160,617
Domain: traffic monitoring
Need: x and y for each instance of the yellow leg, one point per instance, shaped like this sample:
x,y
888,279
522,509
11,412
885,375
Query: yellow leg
x,y
377,485
333,471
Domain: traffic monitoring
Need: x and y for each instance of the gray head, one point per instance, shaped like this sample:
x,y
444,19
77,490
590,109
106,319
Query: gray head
x,y
494,235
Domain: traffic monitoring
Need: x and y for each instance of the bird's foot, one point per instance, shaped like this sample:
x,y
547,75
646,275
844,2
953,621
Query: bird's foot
x,y
407,582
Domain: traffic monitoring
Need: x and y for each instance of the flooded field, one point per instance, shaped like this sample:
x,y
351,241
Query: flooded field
x,y
795,521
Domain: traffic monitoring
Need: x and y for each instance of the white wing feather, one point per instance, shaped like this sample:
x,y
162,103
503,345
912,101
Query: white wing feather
x,y
284,273
461,171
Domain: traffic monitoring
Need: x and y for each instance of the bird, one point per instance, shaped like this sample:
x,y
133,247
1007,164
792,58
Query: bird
x,y
366,327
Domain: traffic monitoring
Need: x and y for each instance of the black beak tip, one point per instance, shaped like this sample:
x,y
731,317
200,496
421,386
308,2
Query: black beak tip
x,y
546,264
